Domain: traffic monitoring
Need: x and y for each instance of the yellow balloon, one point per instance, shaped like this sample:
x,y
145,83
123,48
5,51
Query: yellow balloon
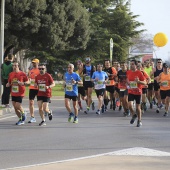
x,y
160,39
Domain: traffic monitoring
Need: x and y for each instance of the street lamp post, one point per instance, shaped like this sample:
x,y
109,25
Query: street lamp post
x,y
111,50
2,37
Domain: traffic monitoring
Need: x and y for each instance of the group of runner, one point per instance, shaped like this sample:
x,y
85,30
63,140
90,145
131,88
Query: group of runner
x,y
138,84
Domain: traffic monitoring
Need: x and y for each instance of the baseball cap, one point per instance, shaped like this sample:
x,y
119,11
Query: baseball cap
x,y
35,60
165,65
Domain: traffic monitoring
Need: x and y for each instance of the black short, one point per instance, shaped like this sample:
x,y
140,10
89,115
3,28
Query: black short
x,y
123,93
151,86
110,89
100,92
81,90
17,99
164,93
88,84
32,94
117,89
74,98
44,99
156,86
132,97
144,90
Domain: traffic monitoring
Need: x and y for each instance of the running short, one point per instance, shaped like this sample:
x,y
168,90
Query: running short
x,y
88,84
100,92
81,90
74,98
164,93
144,90
151,86
17,99
32,94
123,93
132,97
110,89
156,86
43,98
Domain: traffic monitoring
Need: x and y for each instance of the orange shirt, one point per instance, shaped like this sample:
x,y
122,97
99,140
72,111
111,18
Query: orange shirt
x,y
111,70
165,81
16,89
32,74
146,76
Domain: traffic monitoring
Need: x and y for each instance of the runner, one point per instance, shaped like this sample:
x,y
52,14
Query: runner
x,y
135,79
44,82
17,80
164,82
156,71
150,94
33,91
99,78
81,91
122,85
110,88
88,85
72,79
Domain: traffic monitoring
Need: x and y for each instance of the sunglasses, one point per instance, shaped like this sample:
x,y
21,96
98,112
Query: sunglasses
x,y
69,67
41,68
159,62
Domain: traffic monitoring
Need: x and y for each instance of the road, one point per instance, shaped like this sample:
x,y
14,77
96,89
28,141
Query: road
x,y
30,144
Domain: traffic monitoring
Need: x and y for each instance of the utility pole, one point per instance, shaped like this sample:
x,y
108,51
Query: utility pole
x,y
2,37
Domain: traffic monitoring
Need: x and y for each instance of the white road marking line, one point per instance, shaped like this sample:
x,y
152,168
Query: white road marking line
x,y
135,151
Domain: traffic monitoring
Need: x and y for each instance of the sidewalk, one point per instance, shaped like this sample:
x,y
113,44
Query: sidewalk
x,y
109,162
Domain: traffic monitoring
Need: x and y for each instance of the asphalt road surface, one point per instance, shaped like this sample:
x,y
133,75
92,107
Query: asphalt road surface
x,y
30,144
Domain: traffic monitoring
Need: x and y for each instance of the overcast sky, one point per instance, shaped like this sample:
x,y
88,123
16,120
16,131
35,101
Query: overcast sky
x,y
155,14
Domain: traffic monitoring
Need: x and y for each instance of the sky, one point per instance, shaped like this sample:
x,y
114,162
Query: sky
x,y
155,14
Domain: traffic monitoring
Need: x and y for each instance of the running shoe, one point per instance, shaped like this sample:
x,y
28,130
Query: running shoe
x,y
86,111
50,115
133,119
20,122
114,107
43,123
71,117
151,105
32,120
144,107
120,108
45,113
139,123
157,110
117,103
128,112
103,108
80,109
165,114
75,120
93,106
98,112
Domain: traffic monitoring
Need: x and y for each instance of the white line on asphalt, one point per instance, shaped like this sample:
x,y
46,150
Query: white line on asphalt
x,y
7,117
138,151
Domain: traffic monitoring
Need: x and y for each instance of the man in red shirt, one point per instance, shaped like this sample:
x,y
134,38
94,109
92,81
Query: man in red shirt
x,y
17,81
135,80
33,90
44,82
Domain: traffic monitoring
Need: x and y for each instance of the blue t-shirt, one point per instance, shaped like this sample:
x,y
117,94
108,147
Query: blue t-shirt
x,y
101,76
88,70
71,89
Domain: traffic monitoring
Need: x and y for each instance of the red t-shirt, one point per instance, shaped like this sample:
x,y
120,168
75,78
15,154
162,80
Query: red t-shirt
x,y
134,87
16,89
43,81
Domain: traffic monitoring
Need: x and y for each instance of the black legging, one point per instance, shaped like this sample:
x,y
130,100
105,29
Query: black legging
x,y
6,93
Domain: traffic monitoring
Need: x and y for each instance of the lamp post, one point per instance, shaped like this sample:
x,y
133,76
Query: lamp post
x,y
2,37
111,50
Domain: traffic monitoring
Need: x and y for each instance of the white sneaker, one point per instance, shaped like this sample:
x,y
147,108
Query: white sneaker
x,y
32,120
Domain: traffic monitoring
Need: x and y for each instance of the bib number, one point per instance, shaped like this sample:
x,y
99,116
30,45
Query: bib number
x,y
15,89
42,87
32,82
165,83
133,85
87,78
69,87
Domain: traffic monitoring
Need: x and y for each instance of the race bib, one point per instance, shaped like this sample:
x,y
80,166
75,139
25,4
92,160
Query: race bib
x,y
32,82
99,82
133,85
122,89
108,82
164,83
69,87
15,89
42,87
87,78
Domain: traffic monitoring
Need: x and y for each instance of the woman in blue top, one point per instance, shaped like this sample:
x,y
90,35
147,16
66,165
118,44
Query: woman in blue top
x,y
72,79
99,78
